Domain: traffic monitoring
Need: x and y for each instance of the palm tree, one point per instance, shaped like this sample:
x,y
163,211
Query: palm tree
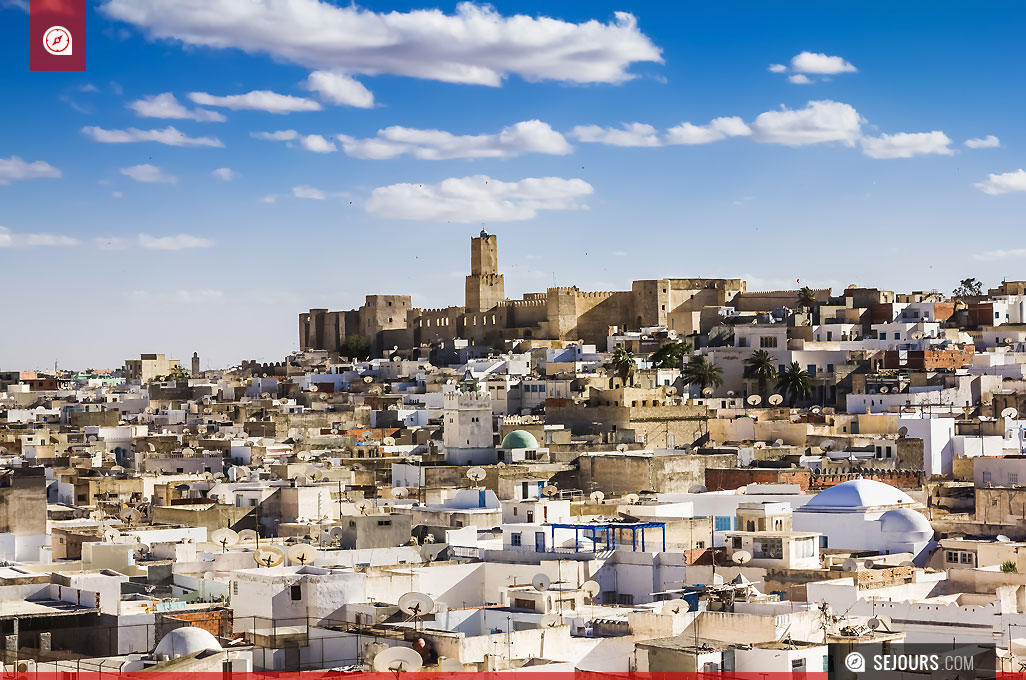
x,y
623,363
702,372
807,299
671,355
796,382
760,367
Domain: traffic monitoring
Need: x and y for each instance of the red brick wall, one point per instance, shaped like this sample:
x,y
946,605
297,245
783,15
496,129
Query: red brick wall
x,y
727,479
217,622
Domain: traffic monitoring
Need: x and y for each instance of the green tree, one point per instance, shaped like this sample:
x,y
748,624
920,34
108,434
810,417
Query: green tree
x,y
177,374
796,382
355,346
671,355
702,372
623,363
760,368
968,288
807,299
1008,567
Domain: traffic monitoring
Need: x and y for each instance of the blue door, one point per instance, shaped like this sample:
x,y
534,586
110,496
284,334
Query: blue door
x,y
539,541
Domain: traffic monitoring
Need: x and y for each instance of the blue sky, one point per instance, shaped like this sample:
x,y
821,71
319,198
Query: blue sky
x,y
860,175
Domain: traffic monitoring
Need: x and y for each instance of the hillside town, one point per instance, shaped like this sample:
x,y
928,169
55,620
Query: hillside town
x,y
684,476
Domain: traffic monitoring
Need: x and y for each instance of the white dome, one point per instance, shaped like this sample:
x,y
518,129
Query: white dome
x,y
186,641
857,494
906,521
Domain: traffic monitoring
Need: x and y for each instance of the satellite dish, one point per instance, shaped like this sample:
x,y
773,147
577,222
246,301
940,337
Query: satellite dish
x,y
671,391
324,397
550,490
416,604
708,391
884,389
247,535
741,557
698,488
631,498
621,447
907,563
268,556
550,620
363,506
187,452
902,431
476,474
110,534
817,410
224,538
336,533
398,660
869,564
874,623
313,388
368,379
130,515
302,553
265,395
541,582
776,399
597,496
730,393
1001,538
590,589
314,474
827,445
676,606
1010,413
778,442
400,492
850,565
754,400
388,441
500,464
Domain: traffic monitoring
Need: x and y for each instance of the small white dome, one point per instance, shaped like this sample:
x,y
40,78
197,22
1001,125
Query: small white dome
x,y
906,521
186,641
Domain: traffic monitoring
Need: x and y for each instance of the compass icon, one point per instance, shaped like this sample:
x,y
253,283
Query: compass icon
x,y
57,41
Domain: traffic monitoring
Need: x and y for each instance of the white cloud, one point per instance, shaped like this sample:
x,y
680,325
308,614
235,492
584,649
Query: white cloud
x,y
477,198
819,121
279,136
317,144
23,5
1005,183
169,135
988,142
308,192
116,194
995,255
10,239
148,173
631,134
226,174
339,88
820,64
799,79
907,145
529,136
176,242
717,129
269,198
475,45
257,100
777,68
14,168
167,106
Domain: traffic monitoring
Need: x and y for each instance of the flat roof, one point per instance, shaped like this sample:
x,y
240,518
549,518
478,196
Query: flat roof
x,y
32,608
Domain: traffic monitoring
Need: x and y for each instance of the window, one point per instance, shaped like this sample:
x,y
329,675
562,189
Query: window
x,y
735,542
235,588
1013,478
515,539
768,548
296,592
804,548
986,477
830,336
768,341
384,522
722,523
951,556
830,368
967,558
625,599
812,370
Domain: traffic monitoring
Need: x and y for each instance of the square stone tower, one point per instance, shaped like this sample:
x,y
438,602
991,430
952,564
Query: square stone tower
x,y
485,287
